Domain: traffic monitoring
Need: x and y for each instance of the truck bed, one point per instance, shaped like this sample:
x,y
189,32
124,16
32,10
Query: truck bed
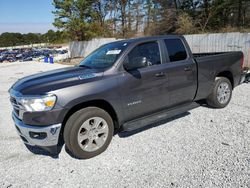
x,y
209,65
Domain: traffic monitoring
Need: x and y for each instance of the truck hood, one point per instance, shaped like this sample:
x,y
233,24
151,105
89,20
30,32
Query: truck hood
x,y
45,82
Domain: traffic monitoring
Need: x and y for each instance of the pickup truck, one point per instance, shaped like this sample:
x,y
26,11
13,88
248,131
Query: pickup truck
x,y
121,86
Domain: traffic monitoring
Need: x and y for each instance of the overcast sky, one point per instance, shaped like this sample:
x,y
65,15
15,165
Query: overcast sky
x,y
26,16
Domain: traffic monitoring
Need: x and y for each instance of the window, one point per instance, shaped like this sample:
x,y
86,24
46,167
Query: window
x,y
149,51
176,49
105,56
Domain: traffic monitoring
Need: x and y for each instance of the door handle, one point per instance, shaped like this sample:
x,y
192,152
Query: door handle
x,y
160,74
187,69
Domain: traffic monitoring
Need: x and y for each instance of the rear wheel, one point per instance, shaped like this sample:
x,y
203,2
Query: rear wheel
x,y
221,94
88,132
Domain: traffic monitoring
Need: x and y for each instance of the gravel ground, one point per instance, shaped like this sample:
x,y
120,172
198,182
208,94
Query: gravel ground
x,y
205,147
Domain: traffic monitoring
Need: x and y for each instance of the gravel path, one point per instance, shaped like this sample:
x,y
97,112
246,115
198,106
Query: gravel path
x,y
205,147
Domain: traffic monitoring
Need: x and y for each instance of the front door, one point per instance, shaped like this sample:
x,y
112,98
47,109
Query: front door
x,y
144,90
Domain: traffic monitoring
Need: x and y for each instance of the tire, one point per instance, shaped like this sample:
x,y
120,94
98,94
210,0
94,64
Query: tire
x,y
88,132
216,99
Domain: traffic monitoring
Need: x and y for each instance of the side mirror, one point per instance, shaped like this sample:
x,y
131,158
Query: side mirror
x,y
135,63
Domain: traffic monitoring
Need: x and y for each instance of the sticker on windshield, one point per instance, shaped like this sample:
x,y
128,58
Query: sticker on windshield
x,y
113,52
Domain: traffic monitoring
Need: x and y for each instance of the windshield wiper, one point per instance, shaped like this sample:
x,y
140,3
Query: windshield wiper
x,y
86,66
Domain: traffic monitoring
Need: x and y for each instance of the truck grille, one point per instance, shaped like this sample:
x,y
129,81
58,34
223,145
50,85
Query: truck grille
x,y
16,106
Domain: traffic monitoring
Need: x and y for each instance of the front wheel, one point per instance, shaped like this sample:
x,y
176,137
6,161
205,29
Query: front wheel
x,y
88,132
221,94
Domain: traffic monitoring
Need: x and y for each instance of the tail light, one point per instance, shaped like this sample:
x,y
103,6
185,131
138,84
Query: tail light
x,y
242,62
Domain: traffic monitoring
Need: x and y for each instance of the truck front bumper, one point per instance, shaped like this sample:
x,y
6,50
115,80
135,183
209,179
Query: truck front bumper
x,y
37,136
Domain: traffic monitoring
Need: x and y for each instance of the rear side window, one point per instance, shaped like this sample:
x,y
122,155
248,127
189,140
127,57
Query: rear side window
x,y
176,49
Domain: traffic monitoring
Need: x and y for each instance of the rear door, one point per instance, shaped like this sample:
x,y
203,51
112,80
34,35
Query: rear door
x,y
144,90
181,72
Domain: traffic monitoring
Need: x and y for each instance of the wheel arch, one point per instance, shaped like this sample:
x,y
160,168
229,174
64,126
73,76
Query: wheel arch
x,y
100,103
228,75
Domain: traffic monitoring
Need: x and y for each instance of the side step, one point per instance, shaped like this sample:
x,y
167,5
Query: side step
x,y
147,120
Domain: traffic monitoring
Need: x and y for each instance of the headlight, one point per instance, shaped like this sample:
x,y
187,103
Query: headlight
x,y
43,103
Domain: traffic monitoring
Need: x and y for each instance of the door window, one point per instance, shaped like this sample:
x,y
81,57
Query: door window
x,y
149,51
176,50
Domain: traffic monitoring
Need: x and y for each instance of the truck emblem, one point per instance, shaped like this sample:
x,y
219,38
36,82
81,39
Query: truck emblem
x,y
134,103
86,76
54,130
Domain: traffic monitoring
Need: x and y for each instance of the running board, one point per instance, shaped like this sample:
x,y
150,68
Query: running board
x,y
153,118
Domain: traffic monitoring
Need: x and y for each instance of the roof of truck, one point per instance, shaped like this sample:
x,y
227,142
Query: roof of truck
x,y
139,39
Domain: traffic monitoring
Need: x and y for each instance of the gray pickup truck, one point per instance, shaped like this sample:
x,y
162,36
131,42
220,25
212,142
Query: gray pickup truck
x,y
121,86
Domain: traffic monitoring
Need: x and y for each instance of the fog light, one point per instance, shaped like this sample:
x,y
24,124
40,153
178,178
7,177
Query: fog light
x,y
36,135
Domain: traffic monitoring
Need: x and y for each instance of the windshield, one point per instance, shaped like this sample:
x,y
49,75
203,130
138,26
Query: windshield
x,y
105,56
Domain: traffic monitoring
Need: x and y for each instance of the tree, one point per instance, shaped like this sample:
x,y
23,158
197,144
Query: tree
x,y
185,24
32,38
148,9
102,9
138,14
77,17
85,19
122,4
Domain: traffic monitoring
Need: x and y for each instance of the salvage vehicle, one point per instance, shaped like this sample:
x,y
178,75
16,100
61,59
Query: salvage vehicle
x,y
121,86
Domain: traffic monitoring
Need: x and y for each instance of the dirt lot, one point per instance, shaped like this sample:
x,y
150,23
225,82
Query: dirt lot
x,y
205,147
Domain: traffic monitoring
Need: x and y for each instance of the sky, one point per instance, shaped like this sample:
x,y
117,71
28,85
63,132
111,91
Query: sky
x,y
26,16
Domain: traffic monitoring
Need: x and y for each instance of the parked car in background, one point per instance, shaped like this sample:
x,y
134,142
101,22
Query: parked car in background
x,y
28,54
